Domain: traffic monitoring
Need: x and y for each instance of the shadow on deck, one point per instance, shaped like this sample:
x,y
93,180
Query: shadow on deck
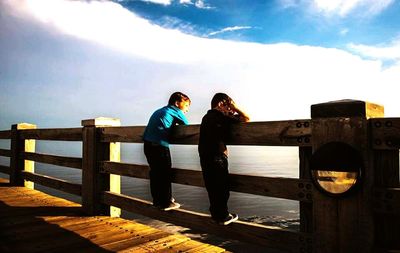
x,y
32,221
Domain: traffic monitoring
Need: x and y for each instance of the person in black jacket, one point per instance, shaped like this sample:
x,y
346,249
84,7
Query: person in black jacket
x,y
214,133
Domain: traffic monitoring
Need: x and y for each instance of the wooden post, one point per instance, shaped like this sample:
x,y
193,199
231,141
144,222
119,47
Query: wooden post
x,y
304,173
386,164
344,224
17,164
94,182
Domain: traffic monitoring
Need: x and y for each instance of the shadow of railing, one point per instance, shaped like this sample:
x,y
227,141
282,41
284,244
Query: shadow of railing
x,y
37,229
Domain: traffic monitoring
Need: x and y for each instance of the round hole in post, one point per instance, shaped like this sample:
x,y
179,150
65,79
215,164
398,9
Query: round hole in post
x,y
336,168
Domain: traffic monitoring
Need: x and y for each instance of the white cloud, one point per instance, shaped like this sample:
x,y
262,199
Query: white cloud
x,y
164,2
202,5
344,31
229,29
198,3
270,81
341,8
344,7
380,52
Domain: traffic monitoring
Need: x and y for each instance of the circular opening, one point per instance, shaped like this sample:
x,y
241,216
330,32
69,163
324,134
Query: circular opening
x,y
336,168
335,182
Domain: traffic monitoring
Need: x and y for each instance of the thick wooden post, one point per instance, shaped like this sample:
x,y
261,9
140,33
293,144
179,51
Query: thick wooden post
x,y
344,224
17,164
94,182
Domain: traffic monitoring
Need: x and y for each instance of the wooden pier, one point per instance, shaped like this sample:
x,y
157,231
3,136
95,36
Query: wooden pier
x,y
32,221
366,219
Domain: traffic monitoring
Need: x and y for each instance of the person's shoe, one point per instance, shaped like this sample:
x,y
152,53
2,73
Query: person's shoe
x,y
229,219
171,206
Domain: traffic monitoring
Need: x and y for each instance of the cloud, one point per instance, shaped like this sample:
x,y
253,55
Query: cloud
x,y
202,5
229,29
270,81
198,3
345,7
341,8
163,2
381,52
344,31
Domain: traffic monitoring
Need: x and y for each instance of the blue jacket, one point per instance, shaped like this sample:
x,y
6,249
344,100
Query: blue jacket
x,y
159,127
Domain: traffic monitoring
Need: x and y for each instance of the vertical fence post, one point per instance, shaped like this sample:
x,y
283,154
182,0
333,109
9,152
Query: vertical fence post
x,y
94,182
386,165
17,165
344,224
304,173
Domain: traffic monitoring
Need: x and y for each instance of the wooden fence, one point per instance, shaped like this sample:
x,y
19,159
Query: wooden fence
x,y
368,220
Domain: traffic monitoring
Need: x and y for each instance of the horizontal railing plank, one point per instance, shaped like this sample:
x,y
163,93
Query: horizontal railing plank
x,y
55,134
387,200
5,169
287,188
273,237
72,162
5,152
54,183
385,133
272,133
6,134
122,134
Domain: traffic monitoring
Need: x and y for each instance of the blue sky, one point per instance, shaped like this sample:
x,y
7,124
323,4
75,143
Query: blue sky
x,y
63,61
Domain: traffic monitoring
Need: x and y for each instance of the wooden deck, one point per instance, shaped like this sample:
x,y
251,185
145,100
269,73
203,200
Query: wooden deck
x,y
32,221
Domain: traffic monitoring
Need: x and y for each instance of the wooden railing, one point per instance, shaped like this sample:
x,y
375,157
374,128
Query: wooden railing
x,y
101,169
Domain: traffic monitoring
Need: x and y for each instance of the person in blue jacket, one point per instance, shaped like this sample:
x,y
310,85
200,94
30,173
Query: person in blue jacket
x,y
156,148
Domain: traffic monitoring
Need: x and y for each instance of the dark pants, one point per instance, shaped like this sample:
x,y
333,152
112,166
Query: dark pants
x,y
216,179
159,159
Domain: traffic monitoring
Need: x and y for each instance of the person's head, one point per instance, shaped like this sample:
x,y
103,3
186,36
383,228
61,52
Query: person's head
x,y
222,102
180,100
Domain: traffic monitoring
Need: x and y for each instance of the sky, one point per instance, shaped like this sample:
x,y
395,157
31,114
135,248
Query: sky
x,y
64,61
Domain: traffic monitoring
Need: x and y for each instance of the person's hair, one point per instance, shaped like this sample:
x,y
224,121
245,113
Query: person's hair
x,y
178,97
220,97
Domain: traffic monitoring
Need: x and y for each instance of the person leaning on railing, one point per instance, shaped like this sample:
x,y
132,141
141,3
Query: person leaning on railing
x,y
214,131
156,148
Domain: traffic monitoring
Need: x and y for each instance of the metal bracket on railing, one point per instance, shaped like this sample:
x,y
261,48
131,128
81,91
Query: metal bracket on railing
x,y
305,191
305,138
386,200
385,133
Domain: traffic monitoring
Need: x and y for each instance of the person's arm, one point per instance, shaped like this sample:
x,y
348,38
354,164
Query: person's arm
x,y
243,117
181,118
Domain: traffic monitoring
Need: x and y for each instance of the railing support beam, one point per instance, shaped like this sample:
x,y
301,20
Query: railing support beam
x,y
93,181
17,165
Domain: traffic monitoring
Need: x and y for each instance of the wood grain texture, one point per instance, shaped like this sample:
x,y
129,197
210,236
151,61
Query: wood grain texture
x,y
54,183
32,221
273,237
55,134
287,188
5,152
5,134
273,133
71,162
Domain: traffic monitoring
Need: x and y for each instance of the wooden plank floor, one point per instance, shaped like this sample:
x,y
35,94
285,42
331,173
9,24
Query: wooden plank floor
x,y
32,221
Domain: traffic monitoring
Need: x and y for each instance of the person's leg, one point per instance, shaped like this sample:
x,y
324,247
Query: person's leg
x,y
216,178
159,160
